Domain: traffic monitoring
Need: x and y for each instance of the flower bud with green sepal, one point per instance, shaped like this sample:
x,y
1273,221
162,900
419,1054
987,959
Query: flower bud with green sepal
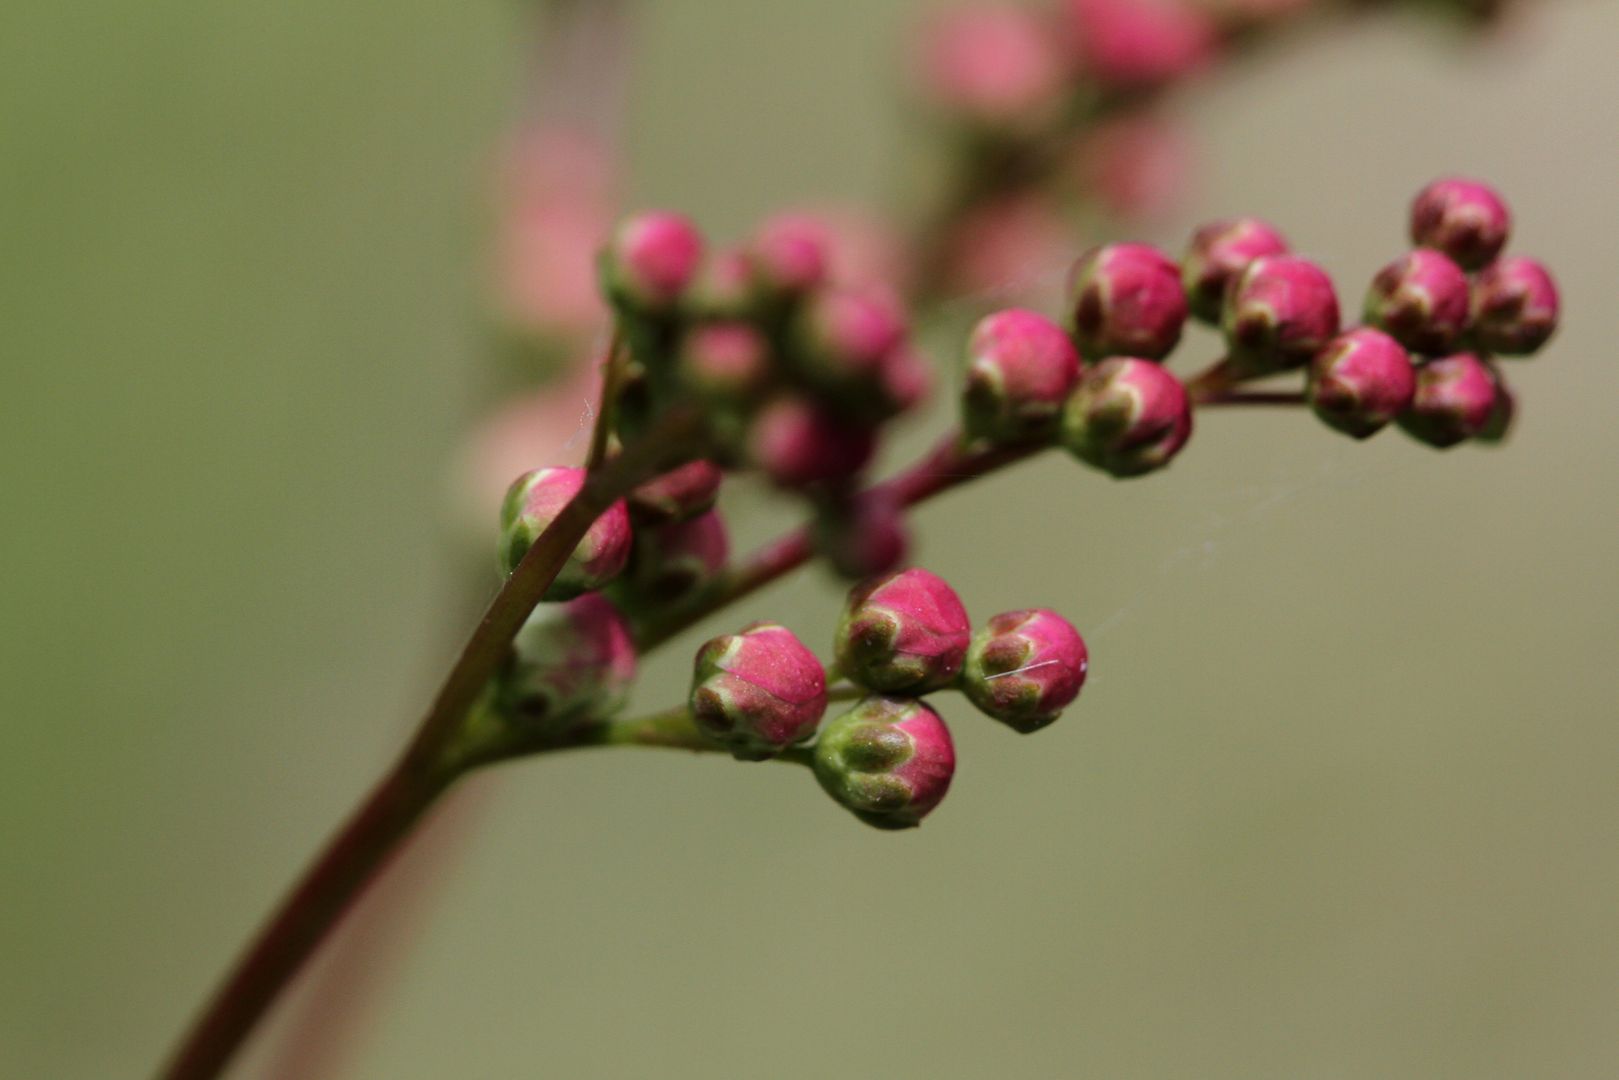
x,y
888,760
1126,300
1128,417
571,664
1278,313
757,692
1219,253
1420,300
533,502
672,561
1515,306
650,261
1464,219
1362,380
1454,401
1021,368
904,632
1025,668
678,495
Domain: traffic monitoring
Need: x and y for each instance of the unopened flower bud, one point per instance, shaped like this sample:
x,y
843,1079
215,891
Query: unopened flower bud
x,y
726,362
1021,368
864,536
1454,401
1139,44
1025,668
888,760
678,495
903,632
673,560
1219,253
799,443
1514,306
533,502
1420,300
1361,381
1464,219
570,663
790,253
906,380
992,65
844,335
723,287
758,692
1278,313
651,259
1127,417
1126,300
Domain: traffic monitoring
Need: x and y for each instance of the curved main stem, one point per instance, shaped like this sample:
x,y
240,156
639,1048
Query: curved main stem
x,y
428,766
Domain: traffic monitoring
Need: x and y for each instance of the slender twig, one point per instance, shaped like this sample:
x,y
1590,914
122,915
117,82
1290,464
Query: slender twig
x,y
429,765
612,367
949,465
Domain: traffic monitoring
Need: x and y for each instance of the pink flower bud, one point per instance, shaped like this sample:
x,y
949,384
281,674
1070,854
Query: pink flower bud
x,y
1514,306
907,379
1454,401
678,495
791,253
1025,668
992,65
673,560
570,663
1361,381
798,443
651,259
1219,253
1421,301
903,632
1127,417
1464,219
864,536
758,692
1021,368
1139,44
1278,313
844,335
533,501
888,760
1126,300
725,361
723,287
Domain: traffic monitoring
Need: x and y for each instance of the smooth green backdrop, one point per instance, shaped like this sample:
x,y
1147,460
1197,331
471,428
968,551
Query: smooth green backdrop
x,y
1342,799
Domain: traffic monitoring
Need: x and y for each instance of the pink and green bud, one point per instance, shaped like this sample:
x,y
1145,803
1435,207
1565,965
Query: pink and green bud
x,y
791,253
1139,44
652,259
994,66
799,443
1464,219
1454,401
1278,313
1025,668
1362,380
1128,417
1514,306
571,663
1420,300
678,495
1021,368
724,286
844,336
673,560
533,502
904,632
727,362
1219,253
888,760
758,692
864,536
1126,300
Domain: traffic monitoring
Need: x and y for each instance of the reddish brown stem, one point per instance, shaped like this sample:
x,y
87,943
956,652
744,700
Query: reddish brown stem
x,y
306,915
428,766
947,466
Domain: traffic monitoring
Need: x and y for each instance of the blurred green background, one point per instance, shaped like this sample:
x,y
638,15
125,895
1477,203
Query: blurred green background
x,y
1342,799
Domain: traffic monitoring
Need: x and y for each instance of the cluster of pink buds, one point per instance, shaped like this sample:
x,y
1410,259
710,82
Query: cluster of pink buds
x,y
791,374
889,759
